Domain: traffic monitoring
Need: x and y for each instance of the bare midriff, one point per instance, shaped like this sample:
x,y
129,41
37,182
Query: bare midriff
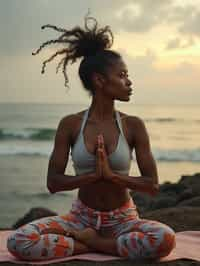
x,y
103,196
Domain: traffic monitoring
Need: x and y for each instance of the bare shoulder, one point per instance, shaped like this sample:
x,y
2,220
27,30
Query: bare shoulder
x,y
69,124
132,121
135,128
71,119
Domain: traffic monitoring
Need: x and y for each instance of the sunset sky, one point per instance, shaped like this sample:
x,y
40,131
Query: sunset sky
x,y
158,39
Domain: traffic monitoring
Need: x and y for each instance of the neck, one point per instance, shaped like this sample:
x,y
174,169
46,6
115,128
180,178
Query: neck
x,y
102,109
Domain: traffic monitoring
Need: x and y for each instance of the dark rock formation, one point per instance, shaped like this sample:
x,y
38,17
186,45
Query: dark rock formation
x,y
186,192
181,218
33,214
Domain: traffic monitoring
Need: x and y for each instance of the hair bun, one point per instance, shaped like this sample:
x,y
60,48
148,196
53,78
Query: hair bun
x,y
93,40
78,43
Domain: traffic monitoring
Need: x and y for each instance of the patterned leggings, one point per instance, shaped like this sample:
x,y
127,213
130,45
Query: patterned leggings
x,y
136,238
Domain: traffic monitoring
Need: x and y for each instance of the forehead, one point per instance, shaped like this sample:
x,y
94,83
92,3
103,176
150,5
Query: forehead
x,y
118,65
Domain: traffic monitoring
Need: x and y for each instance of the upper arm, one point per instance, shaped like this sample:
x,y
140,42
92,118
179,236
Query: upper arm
x,y
59,156
144,156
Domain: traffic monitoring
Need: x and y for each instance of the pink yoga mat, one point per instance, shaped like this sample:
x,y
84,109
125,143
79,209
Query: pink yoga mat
x,y
187,247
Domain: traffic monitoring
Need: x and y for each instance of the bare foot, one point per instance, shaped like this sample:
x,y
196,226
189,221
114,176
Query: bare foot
x,y
94,241
86,236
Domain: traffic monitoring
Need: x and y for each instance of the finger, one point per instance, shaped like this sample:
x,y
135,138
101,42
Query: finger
x,y
99,162
101,155
98,154
101,141
98,141
99,151
102,138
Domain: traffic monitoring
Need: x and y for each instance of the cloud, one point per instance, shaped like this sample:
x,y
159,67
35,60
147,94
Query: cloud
x,y
191,25
142,16
147,74
21,21
173,44
177,43
20,29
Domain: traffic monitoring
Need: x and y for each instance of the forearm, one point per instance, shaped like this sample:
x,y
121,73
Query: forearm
x,y
137,183
61,182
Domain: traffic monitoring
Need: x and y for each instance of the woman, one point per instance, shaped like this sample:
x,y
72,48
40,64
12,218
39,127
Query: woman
x,y
104,217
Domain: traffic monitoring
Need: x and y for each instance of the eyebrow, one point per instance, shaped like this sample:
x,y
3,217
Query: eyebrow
x,y
124,70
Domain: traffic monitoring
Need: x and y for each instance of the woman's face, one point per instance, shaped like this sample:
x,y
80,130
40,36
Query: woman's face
x,y
117,84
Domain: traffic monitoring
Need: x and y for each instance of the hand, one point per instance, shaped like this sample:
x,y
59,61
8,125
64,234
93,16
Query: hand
x,y
98,160
102,167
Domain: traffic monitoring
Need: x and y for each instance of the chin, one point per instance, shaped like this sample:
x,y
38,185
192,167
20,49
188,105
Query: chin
x,y
124,99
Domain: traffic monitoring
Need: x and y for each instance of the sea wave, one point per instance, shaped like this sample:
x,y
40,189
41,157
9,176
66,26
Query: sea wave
x,y
42,134
27,134
29,195
177,155
38,195
25,150
45,149
163,120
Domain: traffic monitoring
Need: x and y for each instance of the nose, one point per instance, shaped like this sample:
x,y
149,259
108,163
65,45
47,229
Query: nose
x,y
129,82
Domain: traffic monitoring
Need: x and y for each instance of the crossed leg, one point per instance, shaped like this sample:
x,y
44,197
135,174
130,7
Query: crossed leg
x,y
61,236
47,238
138,239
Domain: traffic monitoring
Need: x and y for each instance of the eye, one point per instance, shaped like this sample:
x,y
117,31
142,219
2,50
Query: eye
x,y
123,74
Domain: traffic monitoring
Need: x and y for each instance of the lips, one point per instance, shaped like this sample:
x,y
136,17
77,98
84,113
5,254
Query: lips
x,y
130,92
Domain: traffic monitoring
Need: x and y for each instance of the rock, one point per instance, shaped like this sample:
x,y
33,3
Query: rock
x,y
142,201
195,202
170,194
163,202
179,218
33,214
186,194
174,188
192,182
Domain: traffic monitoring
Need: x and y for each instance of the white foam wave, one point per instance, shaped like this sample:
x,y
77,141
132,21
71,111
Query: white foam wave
x,y
45,148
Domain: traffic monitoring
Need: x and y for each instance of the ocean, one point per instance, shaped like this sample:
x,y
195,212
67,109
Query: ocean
x,y
27,136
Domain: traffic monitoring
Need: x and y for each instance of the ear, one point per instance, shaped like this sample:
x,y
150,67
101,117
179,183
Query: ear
x,y
98,80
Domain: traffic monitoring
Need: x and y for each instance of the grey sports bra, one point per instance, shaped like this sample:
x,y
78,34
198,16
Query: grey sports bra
x,y
85,162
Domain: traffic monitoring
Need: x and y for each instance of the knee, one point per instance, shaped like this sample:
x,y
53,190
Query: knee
x,y
136,245
18,241
167,244
129,245
12,244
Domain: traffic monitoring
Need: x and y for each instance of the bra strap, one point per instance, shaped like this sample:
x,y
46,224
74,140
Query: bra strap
x,y
119,123
85,116
118,118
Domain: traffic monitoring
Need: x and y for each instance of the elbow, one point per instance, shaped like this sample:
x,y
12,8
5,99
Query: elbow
x,y
50,187
155,190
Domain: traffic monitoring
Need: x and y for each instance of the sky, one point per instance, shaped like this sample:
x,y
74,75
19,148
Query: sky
x,y
158,39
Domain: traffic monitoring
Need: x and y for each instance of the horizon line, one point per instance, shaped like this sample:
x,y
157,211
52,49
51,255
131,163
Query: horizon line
x,y
84,103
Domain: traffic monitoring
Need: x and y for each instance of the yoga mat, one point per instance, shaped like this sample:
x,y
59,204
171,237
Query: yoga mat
x,y
187,247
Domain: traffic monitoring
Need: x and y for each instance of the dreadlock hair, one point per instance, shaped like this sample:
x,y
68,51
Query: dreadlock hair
x,y
91,44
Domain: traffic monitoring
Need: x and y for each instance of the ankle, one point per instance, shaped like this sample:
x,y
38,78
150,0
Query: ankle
x,y
92,239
